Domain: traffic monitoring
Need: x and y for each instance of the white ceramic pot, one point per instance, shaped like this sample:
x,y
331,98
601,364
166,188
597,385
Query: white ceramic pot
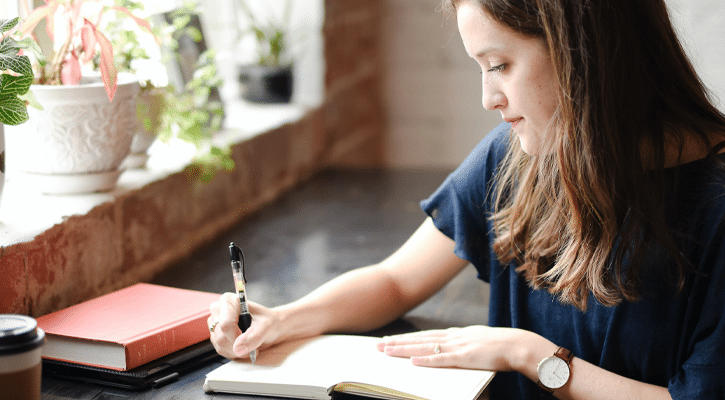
x,y
78,141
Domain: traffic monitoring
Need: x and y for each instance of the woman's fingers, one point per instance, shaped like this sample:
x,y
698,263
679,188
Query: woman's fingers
x,y
435,350
412,338
476,347
223,324
413,350
417,344
227,337
252,339
242,344
429,338
437,360
229,307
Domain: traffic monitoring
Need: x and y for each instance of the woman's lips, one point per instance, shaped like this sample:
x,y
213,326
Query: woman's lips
x,y
513,121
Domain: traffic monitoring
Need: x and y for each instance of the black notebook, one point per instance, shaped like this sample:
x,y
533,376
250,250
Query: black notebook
x,y
154,374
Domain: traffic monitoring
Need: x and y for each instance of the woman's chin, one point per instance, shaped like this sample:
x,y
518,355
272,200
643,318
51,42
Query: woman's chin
x,y
530,141
529,146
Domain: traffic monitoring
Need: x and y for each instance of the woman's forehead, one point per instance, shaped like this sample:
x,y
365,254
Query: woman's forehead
x,y
483,35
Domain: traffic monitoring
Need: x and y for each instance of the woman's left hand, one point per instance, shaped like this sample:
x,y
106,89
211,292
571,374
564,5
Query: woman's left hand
x,y
472,347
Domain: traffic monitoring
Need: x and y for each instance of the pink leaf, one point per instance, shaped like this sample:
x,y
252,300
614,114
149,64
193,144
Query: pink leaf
x,y
35,17
88,41
50,21
70,73
108,69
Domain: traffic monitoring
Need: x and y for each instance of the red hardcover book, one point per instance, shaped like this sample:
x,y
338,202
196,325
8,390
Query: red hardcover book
x,y
127,328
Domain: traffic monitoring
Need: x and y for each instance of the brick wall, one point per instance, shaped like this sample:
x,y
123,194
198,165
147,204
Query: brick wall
x,y
352,35
142,231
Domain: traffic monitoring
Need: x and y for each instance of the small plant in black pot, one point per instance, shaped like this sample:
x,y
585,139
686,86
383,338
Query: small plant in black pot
x,y
269,80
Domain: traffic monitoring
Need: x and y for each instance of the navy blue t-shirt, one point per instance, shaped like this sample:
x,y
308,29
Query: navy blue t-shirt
x,y
668,338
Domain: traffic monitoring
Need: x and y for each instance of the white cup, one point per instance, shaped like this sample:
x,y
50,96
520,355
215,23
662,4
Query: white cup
x,y
20,362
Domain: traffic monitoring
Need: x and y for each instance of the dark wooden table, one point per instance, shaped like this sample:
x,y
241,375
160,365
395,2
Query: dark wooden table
x,y
337,221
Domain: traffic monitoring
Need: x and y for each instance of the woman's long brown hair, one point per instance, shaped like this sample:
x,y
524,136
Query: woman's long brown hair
x,y
630,102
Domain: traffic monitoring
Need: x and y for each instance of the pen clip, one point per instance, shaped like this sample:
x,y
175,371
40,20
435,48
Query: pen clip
x,y
237,256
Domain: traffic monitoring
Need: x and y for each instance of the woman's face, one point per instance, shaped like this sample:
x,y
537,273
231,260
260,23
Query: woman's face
x,y
517,73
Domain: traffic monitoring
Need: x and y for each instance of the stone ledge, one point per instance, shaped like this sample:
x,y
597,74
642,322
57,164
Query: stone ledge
x,y
134,232
25,213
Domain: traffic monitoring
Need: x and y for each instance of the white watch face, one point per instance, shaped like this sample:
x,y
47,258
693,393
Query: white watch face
x,y
553,372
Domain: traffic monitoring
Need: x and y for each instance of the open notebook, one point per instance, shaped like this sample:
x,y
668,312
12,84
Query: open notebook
x,y
314,368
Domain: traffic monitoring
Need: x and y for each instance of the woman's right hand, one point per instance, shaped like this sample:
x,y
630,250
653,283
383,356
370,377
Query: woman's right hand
x,y
226,336
411,275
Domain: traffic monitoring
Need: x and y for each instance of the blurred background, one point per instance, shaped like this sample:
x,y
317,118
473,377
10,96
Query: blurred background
x,y
430,88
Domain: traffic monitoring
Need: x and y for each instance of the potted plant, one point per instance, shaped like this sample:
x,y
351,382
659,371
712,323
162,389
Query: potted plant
x,y
193,109
141,58
77,142
190,115
174,109
16,76
269,79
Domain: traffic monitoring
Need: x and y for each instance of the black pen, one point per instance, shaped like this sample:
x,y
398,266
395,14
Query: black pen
x,y
245,318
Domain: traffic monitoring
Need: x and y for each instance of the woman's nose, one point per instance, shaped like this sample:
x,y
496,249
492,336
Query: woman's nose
x,y
492,97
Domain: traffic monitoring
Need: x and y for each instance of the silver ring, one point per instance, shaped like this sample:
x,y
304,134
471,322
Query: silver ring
x,y
437,349
211,328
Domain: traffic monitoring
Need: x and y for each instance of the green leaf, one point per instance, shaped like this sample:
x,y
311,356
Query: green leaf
x,y
29,99
12,110
20,77
16,76
8,24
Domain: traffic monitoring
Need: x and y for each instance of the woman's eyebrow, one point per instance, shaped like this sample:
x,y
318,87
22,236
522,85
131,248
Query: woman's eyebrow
x,y
486,50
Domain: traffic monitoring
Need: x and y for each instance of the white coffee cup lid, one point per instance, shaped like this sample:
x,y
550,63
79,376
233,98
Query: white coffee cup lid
x,y
19,333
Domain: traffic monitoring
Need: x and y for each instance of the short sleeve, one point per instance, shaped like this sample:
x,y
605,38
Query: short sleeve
x,y
460,207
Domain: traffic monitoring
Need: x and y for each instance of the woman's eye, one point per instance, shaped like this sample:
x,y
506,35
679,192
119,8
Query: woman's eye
x,y
497,68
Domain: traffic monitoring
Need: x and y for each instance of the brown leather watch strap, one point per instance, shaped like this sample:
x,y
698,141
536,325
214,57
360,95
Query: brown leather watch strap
x,y
544,388
564,354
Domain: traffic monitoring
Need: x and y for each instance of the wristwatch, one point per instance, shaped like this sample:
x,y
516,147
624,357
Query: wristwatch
x,y
554,370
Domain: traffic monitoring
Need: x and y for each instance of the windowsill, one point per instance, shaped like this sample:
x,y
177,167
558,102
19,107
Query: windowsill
x,y
26,213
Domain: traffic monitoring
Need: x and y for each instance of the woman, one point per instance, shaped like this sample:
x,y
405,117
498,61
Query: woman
x,y
596,212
